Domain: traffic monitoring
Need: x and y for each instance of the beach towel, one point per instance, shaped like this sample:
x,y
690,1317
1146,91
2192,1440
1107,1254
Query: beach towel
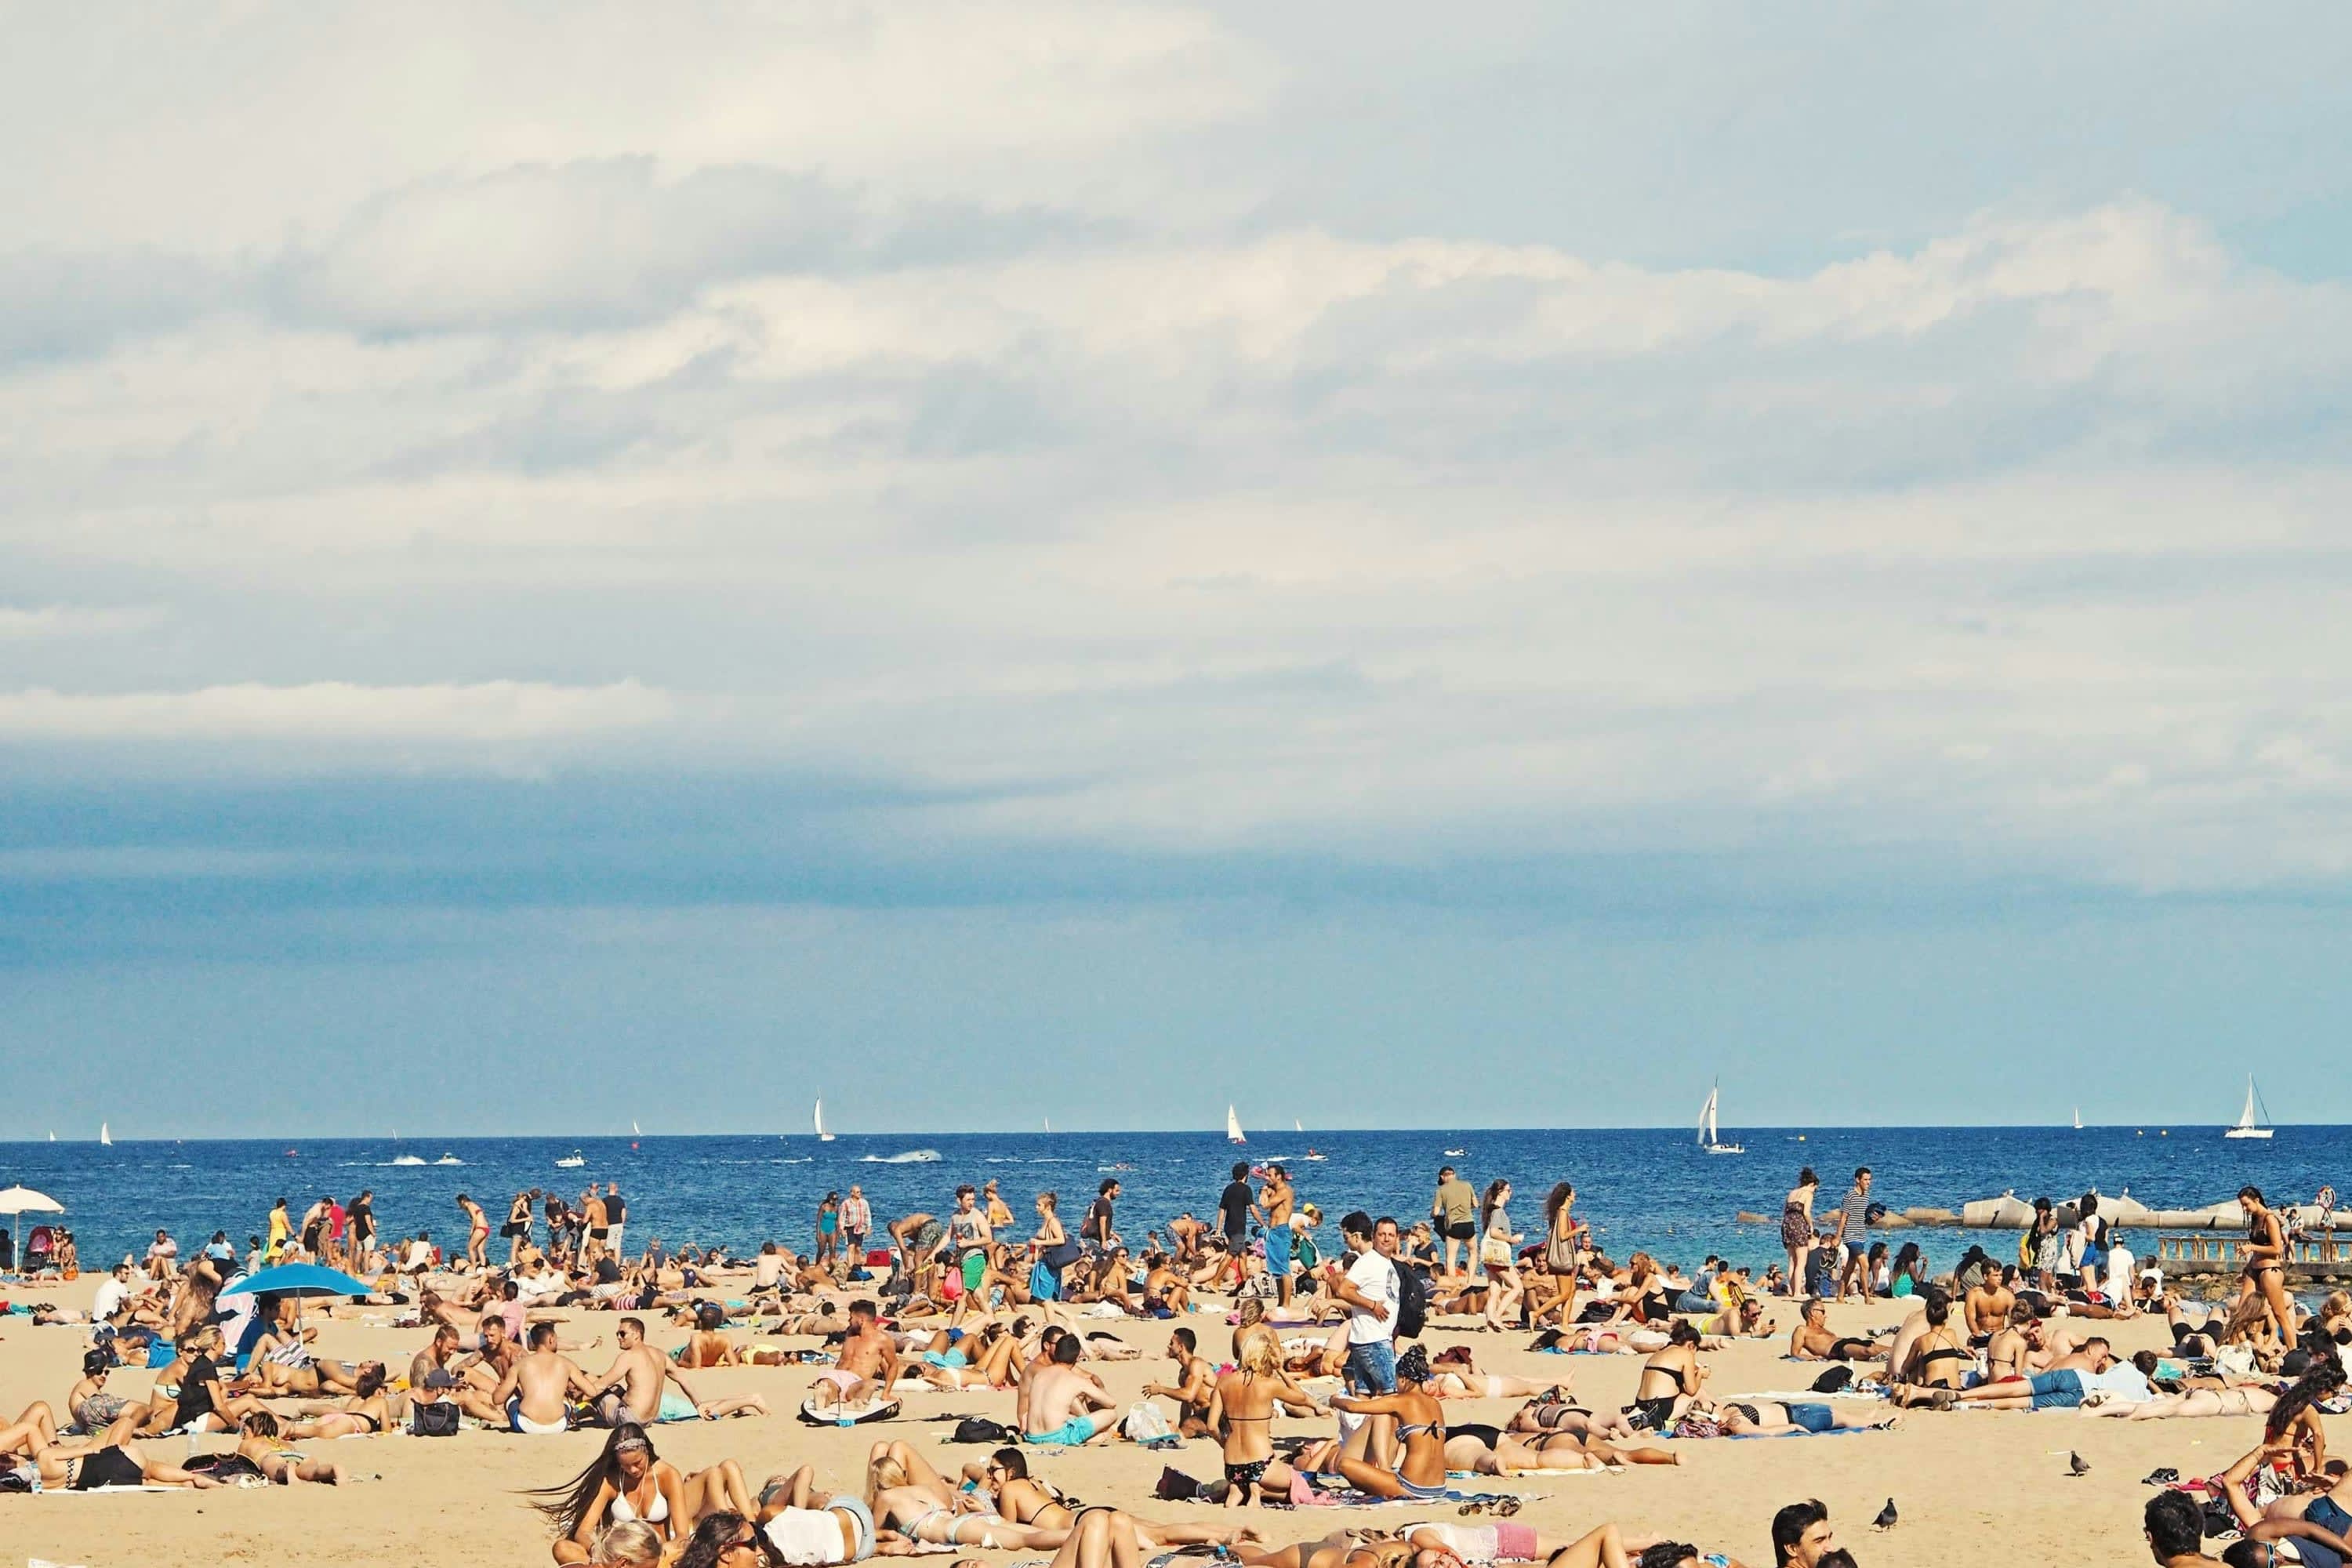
x,y
1311,1489
875,1408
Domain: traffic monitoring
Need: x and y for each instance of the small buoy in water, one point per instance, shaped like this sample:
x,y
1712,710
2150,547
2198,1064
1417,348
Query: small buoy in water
x,y
633,1143
2167,1132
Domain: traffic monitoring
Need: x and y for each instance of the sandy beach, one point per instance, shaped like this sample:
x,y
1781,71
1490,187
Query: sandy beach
x,y
1966,1483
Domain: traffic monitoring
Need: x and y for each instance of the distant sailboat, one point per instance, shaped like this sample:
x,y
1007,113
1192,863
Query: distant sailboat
x,y
2078,1118
2247,1126
1709,1139
822,1135
1296,1126
53,1137
104,1136
1233,1127
634,1132
1049,1125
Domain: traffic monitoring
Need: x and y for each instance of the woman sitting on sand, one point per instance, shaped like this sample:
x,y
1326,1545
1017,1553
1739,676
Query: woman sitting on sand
x,y
1241,1412
628,1481
1941,1360
1420,1469
1670,1380
982,1360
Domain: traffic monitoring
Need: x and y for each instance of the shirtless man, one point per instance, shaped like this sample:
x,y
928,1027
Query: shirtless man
x,y
438,1352
917,1237
1814,1341
537,1393
1275,1198
1194,1387
636,1386
1988,1304
592,1208
1066,1407
867,1362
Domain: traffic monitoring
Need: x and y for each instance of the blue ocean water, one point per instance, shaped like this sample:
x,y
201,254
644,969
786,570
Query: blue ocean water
x,y
1640,1187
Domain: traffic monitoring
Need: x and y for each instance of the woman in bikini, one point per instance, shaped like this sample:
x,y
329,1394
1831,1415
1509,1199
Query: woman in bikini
x,y
1940,1363
261,1452
2265,1270
1241,1413
1797,1228
1486,1450
478,1231
628,1481
1670,1379
363,1413
1545,1414
1420,1469
1004,1476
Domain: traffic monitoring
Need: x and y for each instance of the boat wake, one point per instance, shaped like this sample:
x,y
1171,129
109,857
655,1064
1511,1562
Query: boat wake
x,y
906,1157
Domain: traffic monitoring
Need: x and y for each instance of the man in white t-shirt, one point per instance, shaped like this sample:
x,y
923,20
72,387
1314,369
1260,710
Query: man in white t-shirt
x,y
1369,1290
112,1291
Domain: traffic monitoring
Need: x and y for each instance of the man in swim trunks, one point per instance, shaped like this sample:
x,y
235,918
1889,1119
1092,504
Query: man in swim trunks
x,y
1194,1387
1455,1213
1066,1407
868,1363
1813,1341
1275,1198
917,1236
536,1394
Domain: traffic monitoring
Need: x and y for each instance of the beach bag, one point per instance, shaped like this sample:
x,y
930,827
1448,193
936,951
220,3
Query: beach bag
x,y
1062,1254
437,1418
1494,1252
1559,1254
979,1429
1837,1380
1175,1485
1144,1423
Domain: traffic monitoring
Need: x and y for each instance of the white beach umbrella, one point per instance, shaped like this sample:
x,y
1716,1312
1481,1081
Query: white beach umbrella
x,y
18,1201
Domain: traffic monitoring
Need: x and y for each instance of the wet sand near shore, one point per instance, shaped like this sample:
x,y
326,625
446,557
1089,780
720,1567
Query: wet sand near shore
x,y
1972,1487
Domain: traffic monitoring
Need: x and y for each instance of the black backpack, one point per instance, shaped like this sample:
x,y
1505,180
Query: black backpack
x,y
979,1429
1412,1302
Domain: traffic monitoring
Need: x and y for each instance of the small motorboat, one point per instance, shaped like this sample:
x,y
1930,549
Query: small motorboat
x,y
572,1162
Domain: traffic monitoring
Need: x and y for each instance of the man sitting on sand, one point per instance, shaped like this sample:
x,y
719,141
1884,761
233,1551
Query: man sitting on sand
x,y
1194,1387
1067,1408
867,1364
636,1387
536,1394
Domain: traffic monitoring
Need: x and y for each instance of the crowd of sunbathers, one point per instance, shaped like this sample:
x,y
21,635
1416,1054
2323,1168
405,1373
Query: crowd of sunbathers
x,y
959,1302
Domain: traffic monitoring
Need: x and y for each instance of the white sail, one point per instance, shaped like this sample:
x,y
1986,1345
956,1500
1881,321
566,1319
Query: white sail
x,y
1233,1127
822,1135
2246,1125
634,1132
1296,1126
1709,1135
104,1136
2078,1118
1049,1124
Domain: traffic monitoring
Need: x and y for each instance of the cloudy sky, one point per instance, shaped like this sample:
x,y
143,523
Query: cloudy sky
x,y
1095,559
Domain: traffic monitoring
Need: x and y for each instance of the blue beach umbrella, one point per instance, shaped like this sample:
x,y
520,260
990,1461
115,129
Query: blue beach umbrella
x,y
298,1281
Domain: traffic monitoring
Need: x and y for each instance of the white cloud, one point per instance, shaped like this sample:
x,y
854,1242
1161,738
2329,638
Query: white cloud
x,y
484,712
23,624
